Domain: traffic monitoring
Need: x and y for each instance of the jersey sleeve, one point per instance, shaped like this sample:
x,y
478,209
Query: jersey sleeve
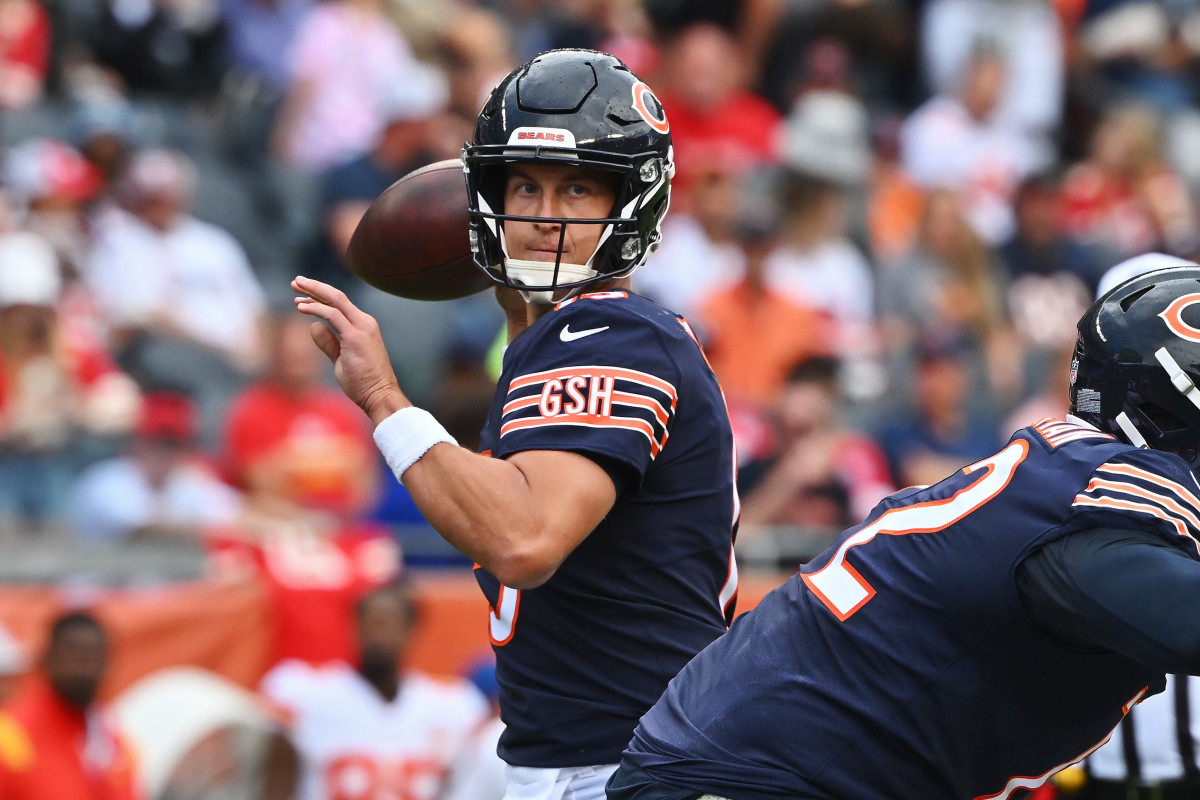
x,y
597,381
1143,490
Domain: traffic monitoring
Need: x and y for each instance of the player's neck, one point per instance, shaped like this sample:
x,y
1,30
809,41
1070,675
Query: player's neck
x,y
386,682
388,689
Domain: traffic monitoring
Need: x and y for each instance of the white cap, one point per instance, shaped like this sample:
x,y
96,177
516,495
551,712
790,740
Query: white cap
x,y
29,273
1138,265
826,136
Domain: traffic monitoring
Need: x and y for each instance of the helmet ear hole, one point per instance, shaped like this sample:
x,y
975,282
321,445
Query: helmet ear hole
x,y
1161,419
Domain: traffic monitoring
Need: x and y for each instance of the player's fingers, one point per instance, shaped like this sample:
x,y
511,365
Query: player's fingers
x,y
335,318
329,295
325,340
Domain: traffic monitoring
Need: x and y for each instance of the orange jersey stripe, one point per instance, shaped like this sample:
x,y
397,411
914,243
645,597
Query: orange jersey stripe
x,y
1170,504
622,398
1129,505
587,421
1157,480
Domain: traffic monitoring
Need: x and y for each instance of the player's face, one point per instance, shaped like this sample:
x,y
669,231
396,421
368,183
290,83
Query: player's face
x,y
384,626
565,191
75,664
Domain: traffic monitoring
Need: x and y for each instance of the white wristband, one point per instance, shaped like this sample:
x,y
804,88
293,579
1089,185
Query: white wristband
x,y
407,435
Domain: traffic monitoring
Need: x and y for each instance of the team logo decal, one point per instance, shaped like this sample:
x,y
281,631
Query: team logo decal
x,y
1173,316
648,107
546,137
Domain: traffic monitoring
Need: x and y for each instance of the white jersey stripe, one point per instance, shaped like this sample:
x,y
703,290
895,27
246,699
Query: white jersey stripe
x,y
1184,493
1128,505
1098,486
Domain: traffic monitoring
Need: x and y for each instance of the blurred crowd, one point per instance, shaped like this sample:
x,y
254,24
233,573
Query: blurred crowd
x,y
886,218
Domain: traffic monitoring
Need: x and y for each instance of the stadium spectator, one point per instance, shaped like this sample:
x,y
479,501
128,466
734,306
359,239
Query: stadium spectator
x,y
174,50
476,46
161,487
52,186
405,143
24,53
58,391
700,249
333,109
183,304
754,333
946,426
704,89
753,24
815,263
1123,196
1031,37
58,743
477,773
105,131
374,728
894,201
259,32
820,475
291,440
956,141
949,287
1050,279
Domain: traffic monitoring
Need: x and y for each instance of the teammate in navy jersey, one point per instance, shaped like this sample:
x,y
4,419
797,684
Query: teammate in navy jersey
x,y
602,522
971,638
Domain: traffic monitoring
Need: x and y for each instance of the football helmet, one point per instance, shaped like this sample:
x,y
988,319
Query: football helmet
x,y
577,107
1136,368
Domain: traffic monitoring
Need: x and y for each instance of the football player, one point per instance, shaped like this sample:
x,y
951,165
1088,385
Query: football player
x,y
374,729
601,511
972,638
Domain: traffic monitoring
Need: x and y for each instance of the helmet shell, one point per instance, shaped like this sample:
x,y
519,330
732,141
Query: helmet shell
x,y
1118,363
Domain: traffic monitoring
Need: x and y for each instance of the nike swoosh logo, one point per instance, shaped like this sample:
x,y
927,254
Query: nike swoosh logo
x,y
568,335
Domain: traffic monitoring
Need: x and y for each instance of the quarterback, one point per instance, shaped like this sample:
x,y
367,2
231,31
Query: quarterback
x,y
602,510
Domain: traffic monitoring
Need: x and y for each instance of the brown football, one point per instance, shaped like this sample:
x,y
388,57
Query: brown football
x,y
413,241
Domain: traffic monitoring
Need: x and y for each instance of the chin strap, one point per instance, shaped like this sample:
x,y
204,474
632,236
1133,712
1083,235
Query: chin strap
x,y
1131,432
1179,379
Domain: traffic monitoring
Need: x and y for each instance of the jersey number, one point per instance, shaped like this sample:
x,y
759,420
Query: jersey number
x,y
844,591
361,777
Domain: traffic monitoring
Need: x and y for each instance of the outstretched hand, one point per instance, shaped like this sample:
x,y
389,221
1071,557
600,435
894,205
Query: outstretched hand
x,y
350,338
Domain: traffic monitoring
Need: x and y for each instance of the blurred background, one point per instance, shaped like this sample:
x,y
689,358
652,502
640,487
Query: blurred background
x,y
887,217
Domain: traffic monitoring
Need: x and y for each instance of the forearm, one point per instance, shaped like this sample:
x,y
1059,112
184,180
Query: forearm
x,y
486,509
1127,591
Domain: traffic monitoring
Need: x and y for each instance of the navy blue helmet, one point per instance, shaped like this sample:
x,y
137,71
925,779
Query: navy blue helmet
x,y
578,107
1136,365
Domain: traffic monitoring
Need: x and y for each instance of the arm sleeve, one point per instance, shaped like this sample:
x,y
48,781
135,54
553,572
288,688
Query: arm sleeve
x,y
1123,590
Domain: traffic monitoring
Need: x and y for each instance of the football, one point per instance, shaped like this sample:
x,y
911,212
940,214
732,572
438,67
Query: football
x,y
413,241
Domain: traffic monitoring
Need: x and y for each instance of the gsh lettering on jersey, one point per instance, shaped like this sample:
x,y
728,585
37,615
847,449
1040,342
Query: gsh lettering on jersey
x,y
547,137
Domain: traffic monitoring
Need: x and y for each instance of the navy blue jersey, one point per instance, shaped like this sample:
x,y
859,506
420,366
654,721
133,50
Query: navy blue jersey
x,y
901,663
621,380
